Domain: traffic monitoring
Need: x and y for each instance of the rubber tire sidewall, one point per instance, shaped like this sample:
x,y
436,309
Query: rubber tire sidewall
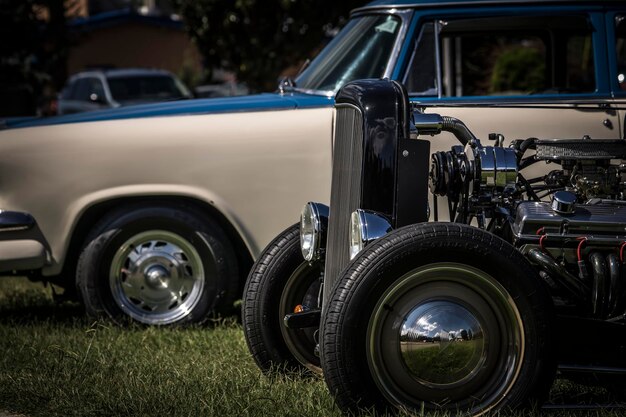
x,y
346,316
218,259
262,294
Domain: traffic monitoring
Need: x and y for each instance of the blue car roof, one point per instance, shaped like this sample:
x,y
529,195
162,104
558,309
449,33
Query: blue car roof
x,y
449,3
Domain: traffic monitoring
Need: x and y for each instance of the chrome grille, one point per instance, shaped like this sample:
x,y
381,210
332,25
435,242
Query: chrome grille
x,y
345,192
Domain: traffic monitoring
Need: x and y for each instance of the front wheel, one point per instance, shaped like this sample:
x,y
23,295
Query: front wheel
x,y
279,281
439,316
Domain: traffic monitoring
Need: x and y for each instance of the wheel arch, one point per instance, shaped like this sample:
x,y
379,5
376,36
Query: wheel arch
x,y
91,214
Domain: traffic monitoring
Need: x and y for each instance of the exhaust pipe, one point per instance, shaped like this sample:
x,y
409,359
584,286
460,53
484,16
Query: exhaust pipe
x,y
561,276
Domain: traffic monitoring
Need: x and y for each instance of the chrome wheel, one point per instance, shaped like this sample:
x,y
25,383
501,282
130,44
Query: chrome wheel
x,y
302,288
446,333
156,277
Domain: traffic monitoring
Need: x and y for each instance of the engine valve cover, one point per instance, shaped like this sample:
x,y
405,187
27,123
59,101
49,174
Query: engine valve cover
x,y
604,218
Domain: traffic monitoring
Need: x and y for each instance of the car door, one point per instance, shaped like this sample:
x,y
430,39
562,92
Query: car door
x,y
542,75
537,75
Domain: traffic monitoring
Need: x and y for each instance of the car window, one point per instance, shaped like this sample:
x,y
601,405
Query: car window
x,y
422,75
68,92
500,56
620,46
145,87
81,90
361,50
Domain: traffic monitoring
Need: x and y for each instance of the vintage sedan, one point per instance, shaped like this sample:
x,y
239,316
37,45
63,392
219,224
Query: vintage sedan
x,y
155,213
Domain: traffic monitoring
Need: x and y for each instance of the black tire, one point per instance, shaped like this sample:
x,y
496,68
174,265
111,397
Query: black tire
x,y
279,280
375,354
157,265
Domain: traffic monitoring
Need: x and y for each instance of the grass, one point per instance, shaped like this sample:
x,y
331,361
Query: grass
x,y
56,362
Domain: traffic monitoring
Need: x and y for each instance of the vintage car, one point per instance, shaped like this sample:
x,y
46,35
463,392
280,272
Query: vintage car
x,y
471,314
156,213
453,273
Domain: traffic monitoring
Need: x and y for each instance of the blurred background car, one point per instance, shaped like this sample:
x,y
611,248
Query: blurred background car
x,y
94,90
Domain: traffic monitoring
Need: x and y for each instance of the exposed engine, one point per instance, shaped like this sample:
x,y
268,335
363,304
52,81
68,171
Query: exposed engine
x,y
570,223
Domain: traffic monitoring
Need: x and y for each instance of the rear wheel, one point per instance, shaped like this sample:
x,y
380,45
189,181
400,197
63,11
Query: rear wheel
x,y
157,266
279,281
439,316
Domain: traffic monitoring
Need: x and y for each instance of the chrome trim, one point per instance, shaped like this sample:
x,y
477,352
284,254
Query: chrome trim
x,y
369,225
487,161
316,214
599,104
427,123
495,166
438,63
345,190
444,4
405,18
564,202
289,89
11,221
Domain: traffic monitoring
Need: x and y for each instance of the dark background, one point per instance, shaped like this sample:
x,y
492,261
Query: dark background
x,y
250,42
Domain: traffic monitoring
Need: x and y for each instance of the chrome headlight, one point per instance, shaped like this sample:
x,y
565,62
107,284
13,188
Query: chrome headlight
x,y
366,226
313,224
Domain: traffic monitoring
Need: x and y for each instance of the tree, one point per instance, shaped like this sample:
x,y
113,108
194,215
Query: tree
x,y
258,39
33,52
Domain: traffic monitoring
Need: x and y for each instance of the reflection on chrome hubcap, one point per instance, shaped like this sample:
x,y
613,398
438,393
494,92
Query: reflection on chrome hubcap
x,y
447,335
441,342
156,277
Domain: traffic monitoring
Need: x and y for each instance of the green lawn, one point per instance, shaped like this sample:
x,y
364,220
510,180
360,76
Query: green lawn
x,y
56,362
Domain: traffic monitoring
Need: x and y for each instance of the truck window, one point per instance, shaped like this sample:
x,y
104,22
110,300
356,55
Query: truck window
x,y
505,56
620,50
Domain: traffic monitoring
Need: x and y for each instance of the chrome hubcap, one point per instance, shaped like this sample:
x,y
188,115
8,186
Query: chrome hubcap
x,y
448,335
156,277
441,343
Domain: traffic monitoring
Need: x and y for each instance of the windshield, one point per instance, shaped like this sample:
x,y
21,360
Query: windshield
x,y
361,50
146,88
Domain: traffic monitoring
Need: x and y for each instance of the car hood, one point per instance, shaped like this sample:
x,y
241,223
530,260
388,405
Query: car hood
x,y
258,102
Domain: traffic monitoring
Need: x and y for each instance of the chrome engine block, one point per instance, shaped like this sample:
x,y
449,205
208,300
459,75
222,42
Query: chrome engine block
x,y
570,223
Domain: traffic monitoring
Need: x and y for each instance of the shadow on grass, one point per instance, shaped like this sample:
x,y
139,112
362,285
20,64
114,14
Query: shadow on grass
x,y
23,302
